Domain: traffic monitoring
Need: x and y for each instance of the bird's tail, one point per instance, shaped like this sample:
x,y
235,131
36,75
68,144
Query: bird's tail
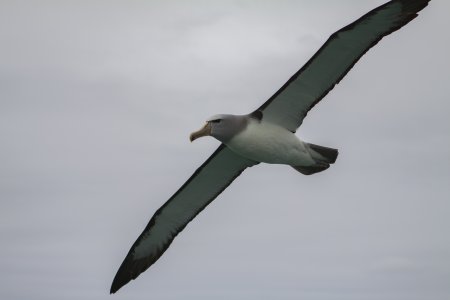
x,y
323,156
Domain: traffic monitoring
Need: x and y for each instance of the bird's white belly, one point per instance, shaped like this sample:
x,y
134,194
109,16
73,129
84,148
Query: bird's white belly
x,y
269,143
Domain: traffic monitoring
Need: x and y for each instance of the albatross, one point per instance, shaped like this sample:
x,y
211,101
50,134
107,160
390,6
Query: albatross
x,y
267,135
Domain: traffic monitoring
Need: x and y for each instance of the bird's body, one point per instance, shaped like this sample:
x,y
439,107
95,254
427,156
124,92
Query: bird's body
x,y
252,137
269,143
267,134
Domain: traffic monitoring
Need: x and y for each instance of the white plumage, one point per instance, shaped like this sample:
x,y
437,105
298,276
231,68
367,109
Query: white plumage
x,y
269,143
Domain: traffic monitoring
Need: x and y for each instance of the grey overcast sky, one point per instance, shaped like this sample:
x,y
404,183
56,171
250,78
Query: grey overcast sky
x,y
97,100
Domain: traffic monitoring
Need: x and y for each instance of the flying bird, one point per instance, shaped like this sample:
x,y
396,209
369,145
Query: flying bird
x,y
267,134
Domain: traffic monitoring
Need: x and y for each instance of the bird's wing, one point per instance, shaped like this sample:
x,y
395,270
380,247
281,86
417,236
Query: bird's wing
x,y
290,104
208,181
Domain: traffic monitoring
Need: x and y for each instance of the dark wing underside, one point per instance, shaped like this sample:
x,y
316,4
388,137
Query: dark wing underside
x,y
289,105
222,167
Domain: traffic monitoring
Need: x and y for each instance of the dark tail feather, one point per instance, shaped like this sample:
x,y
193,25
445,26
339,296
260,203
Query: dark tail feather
x,y
329,155
308,170
323,157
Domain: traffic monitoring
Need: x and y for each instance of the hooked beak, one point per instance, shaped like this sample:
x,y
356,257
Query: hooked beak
x,y
204,131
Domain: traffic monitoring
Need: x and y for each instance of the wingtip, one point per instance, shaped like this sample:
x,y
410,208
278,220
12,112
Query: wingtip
x,y
121,278
129,270
116,285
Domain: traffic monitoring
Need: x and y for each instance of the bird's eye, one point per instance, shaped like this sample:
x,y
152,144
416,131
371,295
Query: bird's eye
x,y
216,121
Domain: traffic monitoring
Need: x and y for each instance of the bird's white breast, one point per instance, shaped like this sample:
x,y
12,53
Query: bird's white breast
x,y
270,143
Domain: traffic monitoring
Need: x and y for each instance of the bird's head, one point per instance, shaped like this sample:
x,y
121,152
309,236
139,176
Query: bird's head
x,y
221,127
